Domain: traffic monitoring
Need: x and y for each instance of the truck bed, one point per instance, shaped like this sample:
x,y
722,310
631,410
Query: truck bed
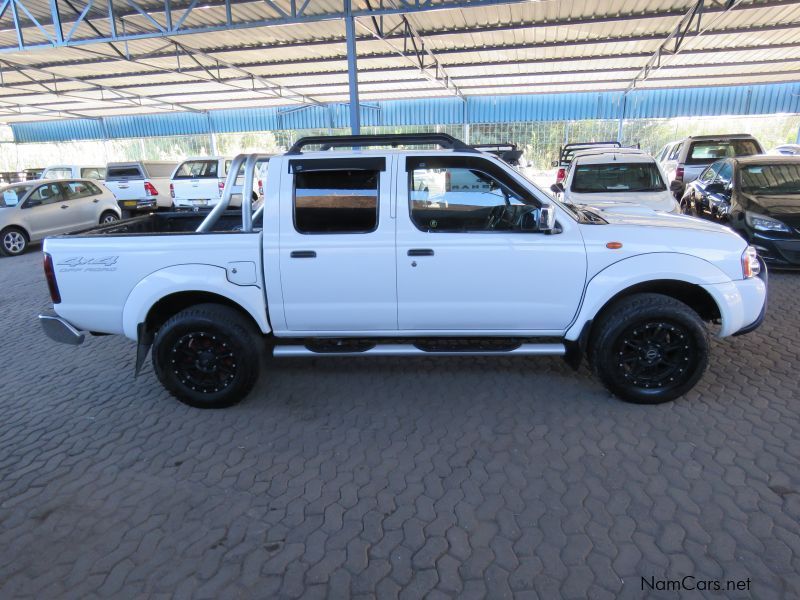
x,y
164,223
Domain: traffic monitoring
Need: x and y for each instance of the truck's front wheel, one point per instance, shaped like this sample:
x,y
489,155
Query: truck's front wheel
x,y
649,348
208,356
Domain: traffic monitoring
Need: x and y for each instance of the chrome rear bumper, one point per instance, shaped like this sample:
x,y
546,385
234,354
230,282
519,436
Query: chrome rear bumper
x,y
59,330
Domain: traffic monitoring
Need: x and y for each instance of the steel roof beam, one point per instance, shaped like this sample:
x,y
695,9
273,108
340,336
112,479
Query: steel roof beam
x,y
296,15
673,43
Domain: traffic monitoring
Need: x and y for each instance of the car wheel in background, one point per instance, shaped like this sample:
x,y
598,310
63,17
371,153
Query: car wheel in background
x,y
108,217
649,348
13,241
208,356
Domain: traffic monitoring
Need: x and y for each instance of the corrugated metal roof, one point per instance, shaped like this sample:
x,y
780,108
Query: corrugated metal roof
x,y
576,51
737,100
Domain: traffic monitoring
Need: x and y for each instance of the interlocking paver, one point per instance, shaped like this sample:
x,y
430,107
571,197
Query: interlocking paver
x,y
385,478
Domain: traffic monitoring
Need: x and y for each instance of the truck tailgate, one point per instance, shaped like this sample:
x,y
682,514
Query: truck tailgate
x,y
127,190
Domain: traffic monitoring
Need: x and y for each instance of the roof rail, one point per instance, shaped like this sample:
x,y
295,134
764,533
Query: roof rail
x,y
326,142
506,151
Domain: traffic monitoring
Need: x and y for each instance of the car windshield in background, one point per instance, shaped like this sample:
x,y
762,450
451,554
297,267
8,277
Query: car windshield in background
x,y
706,152
771,179
618,177
13,195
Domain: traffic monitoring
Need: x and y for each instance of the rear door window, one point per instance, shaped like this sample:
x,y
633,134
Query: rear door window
x,y
725,173
336,201
75,190
197,169
123,172
710,173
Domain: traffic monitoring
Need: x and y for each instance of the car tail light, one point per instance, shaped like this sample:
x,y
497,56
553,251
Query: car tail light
x,y
679,174
221,186
50,276
562,172
171,190
260,187
750,265
150,189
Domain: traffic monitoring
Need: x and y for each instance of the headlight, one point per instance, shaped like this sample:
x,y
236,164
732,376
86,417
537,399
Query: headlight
x,y
750,265
764,223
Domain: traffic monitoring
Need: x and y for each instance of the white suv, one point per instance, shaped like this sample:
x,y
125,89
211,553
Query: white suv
x,y
617,180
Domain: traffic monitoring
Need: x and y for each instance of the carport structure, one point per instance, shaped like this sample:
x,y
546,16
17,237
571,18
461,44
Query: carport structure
x,y
339,61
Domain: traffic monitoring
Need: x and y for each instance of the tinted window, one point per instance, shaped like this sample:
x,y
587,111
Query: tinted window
x,y
725,173
618,177
708,151
772,180
77,189
458,200
197,169
710,173
159,169
123,172
93,173
339,201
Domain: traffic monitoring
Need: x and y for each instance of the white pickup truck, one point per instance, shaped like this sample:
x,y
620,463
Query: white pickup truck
x,y
346,258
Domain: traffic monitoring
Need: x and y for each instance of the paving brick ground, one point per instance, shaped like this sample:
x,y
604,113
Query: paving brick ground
x,y
392,478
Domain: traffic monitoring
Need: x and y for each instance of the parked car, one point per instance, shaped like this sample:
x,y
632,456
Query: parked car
x,y
98,173
759,197
620,180
346,255
786,150
199,182
31,174
32,210
684,160
567,151
141,185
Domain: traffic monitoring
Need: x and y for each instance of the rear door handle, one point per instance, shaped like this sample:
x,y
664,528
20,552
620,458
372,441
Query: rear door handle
x,y
420,252
303,254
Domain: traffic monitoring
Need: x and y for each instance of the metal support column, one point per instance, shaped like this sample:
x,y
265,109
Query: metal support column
x,y
352,68
622,107
465,121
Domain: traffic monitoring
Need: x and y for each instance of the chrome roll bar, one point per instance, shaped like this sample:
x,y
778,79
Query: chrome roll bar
x,y
249,162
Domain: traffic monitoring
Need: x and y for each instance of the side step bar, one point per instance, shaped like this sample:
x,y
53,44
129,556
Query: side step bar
x,y
296,350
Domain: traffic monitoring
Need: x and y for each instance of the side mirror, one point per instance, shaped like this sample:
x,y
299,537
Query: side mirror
x,y
547,218
557,188
676,186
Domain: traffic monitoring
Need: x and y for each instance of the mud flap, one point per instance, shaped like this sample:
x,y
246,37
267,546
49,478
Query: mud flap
x,y
145,340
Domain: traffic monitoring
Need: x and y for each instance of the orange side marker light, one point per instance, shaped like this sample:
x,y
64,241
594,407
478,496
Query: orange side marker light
x,y
614,245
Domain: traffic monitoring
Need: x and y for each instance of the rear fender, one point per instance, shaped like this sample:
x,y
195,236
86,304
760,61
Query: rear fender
x,y
190,278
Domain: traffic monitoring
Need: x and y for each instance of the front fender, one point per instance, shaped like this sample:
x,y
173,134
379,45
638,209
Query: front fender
x,y
642,268
190,278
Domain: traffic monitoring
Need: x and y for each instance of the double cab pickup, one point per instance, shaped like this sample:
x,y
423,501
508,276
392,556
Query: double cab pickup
x,y
364,247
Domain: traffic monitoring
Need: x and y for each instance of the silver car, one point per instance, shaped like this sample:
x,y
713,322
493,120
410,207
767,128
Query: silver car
x,y
33,210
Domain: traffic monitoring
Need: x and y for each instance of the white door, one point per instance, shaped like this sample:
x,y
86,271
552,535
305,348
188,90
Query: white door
x,y
337,264
82,202
469,257
48,212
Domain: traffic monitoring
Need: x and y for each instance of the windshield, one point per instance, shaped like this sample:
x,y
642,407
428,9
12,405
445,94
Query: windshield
x,y
617,177
12,195
771,179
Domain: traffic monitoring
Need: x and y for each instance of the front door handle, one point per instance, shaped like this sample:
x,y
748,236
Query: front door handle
x,y
64,206
420,252
96,200
303,254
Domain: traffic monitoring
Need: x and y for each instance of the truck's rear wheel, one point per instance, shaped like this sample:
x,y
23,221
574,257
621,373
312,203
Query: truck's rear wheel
x,y
649,348
208,356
